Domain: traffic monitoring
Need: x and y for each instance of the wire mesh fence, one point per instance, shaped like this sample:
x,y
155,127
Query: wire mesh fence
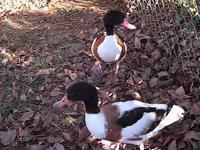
x,y
175,24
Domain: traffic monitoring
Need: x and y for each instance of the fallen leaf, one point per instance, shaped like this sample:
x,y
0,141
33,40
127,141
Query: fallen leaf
x,y
60,75
56,92
27,62
181,145
55,139
196,43
195,109
67,136
58,146
22,132
73,76
195,145
67,71
137,43
180,91
49,148
155,55
27,116
153,82
7,137
172,145
138,80
67,81
144,56
183,42
23,97
1,118
163,74
136,95
49,59
45,71
49,118
130,81
191,135
35,147
84,133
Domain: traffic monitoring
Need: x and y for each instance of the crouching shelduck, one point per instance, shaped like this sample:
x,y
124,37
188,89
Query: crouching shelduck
x,y
131,122
107,47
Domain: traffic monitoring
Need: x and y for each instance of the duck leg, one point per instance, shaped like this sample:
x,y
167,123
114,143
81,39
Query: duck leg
x,y
112,75
97,73
116,68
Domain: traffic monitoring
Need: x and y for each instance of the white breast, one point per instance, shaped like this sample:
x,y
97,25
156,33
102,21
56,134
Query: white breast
x,y
96,124
109,50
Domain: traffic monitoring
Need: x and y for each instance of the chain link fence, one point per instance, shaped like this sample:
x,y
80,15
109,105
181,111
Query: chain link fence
x,y
175,26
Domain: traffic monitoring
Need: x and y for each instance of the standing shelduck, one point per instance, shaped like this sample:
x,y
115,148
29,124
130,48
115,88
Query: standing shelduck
x,y
131,122
107,47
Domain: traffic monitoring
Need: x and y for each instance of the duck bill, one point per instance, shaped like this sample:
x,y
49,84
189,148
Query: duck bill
x,y
127,25
62,103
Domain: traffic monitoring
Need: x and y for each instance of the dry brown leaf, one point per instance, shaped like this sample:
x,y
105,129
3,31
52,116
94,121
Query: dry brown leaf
x,y
195,109
35,147
134,94
27,115
1,118
180,91
143,56
191,135
56,92
58,146
55,139
156,54
153,82
130,81
49,58
172,145
23,97
67,136
163,74
67,71
27,62
138,80
22,132
49,148
49,118
7,137
137,43
84,133
73,76
45,71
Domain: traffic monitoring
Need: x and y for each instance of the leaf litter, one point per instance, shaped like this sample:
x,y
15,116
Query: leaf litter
x,y
39,70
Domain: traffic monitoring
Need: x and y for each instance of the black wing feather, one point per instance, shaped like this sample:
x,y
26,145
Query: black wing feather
x,y
132,116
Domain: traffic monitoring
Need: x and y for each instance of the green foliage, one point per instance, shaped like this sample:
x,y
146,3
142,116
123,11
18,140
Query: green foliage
x,y
188,9
188,6
68,10
39,62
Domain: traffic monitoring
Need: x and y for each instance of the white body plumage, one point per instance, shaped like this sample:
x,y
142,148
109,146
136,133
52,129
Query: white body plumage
x,y
109,50
96,123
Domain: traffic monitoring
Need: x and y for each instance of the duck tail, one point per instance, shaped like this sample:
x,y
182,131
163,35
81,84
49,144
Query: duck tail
x,y
175,113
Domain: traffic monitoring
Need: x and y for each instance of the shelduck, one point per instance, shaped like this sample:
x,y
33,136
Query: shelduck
x,y
131,122
108,47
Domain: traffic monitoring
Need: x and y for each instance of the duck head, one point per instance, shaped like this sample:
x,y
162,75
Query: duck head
x,y
80,91
113,18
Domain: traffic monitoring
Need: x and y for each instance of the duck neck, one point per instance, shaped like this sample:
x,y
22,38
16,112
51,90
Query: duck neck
x,y
109,30
91,106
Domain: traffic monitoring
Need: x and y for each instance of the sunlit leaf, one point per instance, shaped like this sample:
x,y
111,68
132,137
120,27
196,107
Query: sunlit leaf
x,y
7,137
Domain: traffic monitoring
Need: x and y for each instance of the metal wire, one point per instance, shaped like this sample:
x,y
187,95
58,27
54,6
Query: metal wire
x,y
173,23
